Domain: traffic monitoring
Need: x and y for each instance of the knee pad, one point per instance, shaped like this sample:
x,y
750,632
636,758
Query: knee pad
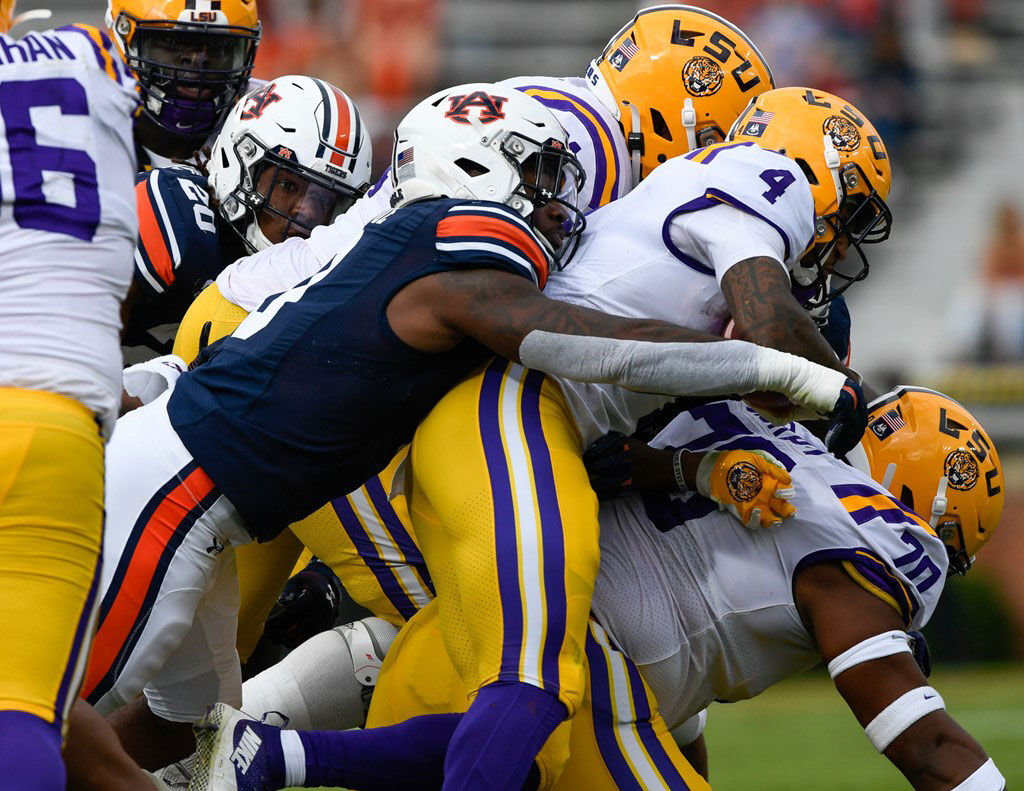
x,y
325,683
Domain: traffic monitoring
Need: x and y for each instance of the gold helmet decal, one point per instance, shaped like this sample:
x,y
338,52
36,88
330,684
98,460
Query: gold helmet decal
x,y
676,77
961,469
844,134
702,76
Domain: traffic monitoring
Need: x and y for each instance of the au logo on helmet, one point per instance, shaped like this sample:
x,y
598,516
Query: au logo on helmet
x,y
702,76
490,107
259,101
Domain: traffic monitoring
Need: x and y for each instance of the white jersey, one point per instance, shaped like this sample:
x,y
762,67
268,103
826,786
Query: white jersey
x,y
67,217
594,137
705,606
661,251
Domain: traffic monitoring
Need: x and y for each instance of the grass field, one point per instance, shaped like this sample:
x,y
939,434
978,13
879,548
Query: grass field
x,y
800,734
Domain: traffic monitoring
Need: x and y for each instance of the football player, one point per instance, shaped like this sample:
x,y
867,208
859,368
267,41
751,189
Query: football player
x,y
320,387
841,582
193,60
639,105
67,227
292,155
669,249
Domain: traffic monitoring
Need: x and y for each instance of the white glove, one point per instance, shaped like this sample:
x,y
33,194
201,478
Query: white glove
x,y
146,381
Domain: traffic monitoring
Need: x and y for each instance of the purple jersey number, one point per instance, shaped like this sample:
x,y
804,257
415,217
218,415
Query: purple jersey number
x,y
31,162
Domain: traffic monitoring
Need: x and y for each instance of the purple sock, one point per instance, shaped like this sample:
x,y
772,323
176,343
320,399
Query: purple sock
x,y
498,738
407,755
29,754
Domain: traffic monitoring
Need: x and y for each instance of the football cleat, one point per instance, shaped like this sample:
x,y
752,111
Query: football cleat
x,y
230,755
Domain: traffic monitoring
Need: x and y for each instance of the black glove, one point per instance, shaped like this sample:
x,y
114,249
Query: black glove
x,y
610,465
922,655
849,420
836,327
307,606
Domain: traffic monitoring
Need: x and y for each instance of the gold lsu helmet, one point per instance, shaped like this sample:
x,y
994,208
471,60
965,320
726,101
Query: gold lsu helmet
x,y
848,167
676,77
6,14
192,58
935,457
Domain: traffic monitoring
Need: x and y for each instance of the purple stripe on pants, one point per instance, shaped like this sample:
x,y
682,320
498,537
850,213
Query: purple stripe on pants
x,y
506,544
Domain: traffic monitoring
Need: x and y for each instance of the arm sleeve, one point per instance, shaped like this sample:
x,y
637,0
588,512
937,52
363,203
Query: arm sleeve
x,y
699,369
250,281
156,252
722,236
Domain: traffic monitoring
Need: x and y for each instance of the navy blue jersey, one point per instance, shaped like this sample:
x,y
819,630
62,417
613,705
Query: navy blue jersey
x,y
314,393
183,245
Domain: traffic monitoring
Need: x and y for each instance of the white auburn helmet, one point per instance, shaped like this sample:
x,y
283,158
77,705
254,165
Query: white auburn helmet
x,y
472,141
312,135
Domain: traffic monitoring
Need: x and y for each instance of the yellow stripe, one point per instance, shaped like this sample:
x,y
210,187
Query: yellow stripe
x,y
108,62
705,152
871,588
606,143
881,502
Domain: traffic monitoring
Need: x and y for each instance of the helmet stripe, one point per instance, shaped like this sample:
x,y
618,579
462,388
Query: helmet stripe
x,y
343,128
325,131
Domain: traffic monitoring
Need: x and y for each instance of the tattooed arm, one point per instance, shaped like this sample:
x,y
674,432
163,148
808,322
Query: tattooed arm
x,y
510,316
766,312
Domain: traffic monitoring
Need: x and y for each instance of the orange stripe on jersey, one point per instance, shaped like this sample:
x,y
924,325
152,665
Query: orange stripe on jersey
x,y
132,592
151,238
479,225
341,138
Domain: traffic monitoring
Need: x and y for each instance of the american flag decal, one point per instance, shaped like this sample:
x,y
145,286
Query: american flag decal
x,y
894,420
404,157
762,116
626,51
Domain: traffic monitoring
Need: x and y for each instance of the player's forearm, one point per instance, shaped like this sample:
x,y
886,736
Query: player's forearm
x,y
674,368
937,753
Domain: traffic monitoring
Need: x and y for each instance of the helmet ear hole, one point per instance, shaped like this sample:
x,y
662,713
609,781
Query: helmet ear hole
x,y
807,172
907,497
659,127
470,167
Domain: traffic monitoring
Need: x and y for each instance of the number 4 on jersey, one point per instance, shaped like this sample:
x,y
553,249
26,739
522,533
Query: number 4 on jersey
x,y
778,181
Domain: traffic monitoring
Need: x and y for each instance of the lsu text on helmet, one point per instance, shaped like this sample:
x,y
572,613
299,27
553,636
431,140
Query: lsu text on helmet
x,y
485,142
192,58
676,77
848,167
935,457
296,150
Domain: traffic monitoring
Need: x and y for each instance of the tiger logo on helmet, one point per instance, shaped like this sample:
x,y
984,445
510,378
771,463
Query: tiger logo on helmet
x,y
848,168
941,463
702,76
676,77
192,58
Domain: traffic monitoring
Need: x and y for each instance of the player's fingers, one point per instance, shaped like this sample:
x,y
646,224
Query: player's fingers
x,y
786,494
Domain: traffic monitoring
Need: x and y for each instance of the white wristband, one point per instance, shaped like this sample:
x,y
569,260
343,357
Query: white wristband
x,y
985,778
885,644
901,714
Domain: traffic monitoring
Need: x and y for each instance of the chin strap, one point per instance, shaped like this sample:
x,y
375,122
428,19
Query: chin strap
x,y
31,16
635,142
832,163
939,502
689,119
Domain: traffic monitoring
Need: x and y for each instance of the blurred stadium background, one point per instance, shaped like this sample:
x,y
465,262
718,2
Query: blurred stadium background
x,y
943,80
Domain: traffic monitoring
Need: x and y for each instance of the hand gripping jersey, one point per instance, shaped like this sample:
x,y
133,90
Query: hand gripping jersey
x,y
594,136
183,245
714,617
315,393
660,252
67,214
